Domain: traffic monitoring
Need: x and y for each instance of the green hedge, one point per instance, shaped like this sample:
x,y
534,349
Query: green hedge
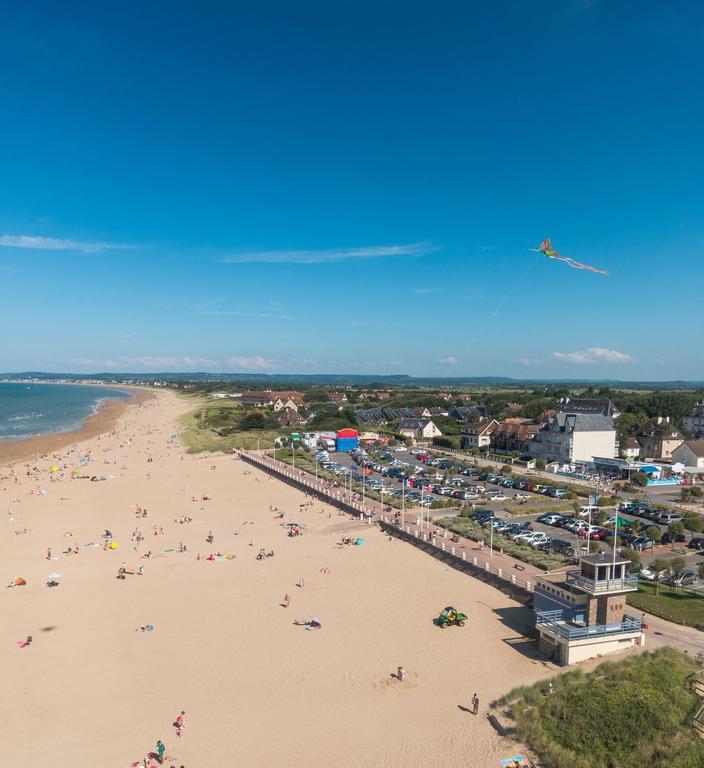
x,y
522,552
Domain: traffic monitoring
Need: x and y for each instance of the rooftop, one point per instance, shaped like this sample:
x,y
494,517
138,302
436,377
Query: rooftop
x,y
696,447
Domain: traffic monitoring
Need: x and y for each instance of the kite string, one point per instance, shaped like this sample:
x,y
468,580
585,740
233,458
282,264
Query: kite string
x,y
503,301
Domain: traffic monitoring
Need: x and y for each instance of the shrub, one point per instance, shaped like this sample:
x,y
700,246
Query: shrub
x,y
629,714
639,479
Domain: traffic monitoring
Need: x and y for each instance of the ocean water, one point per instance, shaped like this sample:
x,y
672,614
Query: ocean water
x,y
38,409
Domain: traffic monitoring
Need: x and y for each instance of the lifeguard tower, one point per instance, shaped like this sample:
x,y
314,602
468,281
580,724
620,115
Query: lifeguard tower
x,y
582,614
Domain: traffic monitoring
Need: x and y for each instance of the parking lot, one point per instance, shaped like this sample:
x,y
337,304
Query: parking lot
x,y
442,479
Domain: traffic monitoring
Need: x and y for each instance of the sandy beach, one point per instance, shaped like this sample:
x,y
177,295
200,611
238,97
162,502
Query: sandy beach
x,y
257,690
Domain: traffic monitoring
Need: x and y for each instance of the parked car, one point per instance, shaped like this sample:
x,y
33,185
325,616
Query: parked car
x,y
550,518
560,546
522,531
642,542
684,579
482,518
521,496
510,528
557,493
649,575
588,512
670,517
697,543
497,497
671,538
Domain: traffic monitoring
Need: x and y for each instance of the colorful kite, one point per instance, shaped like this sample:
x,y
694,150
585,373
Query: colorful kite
x,y
547,250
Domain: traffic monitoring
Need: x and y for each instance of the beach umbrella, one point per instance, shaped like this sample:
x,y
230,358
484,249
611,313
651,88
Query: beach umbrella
x,y
54,576
113,545
54,469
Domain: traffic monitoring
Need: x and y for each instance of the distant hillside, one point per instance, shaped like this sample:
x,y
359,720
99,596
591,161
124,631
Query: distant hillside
x,y
277,380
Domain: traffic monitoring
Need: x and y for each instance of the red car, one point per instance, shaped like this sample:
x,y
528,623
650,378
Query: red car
x,y
598,535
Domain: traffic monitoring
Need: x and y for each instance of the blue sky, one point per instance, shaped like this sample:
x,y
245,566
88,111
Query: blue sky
x,y
352,187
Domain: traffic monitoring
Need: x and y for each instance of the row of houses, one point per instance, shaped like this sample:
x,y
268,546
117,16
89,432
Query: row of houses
x,y
378,416
576,431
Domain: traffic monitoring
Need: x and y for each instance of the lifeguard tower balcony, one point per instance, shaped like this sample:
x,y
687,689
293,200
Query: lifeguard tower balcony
x,y
601,576
581,614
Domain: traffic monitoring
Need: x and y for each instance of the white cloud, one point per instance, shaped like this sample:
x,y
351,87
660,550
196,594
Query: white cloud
x,y
362,324
255,363
146,361
526,360
54,244
234,313
594,355
331,255
449,360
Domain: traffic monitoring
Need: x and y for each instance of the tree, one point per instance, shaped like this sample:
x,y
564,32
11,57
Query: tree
x,y
660,568
676,529
634,557
316,396
678,565
639,479
257,420
693,523
540,464
654,532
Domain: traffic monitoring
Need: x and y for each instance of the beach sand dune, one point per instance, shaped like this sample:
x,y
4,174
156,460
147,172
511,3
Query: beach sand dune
x,y
257,689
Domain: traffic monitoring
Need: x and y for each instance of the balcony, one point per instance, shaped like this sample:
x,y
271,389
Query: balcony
x,y
551,621
601,586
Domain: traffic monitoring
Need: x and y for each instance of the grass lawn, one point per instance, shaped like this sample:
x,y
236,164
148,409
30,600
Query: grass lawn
x,y
670,603
199,436
628,714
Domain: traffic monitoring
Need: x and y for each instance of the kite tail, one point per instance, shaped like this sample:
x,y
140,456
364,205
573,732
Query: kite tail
x,y
578,265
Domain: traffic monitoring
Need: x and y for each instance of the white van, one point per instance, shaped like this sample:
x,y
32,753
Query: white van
x,y
587,512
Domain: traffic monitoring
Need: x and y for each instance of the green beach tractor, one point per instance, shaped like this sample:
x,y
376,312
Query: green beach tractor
x,y
451,616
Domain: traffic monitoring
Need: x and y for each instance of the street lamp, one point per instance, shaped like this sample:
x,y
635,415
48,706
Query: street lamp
x,y
403,501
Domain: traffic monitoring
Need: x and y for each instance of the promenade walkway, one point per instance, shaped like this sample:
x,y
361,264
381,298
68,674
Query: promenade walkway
x,y
411,524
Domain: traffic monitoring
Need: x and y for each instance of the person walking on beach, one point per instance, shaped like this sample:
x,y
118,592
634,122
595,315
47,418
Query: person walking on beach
x,y
475,705
160,749
180,723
